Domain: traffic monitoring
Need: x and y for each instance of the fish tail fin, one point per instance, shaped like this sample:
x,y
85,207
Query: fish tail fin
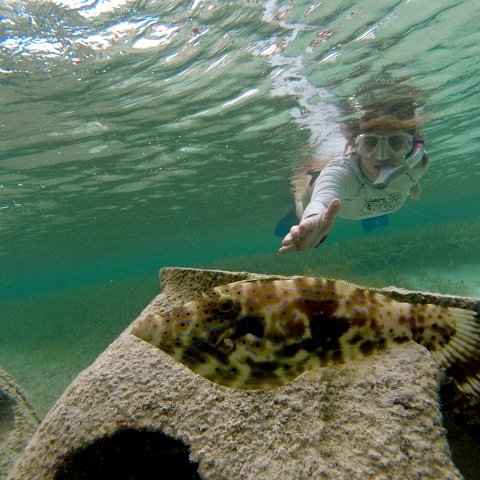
x,y
456,348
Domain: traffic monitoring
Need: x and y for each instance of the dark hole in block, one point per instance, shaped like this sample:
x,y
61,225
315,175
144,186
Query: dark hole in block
x,y
462,422
133,455
7,416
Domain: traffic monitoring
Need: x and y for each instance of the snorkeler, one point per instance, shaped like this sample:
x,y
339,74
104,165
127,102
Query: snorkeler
x,y
383,161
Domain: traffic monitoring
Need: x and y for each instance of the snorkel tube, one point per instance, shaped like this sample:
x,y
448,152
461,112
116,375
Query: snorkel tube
x,y
390,172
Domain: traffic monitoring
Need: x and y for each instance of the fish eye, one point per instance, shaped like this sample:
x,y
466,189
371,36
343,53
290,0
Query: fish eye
x,y
225,303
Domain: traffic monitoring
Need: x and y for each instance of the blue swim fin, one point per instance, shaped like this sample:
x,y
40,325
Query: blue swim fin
x,y
286,223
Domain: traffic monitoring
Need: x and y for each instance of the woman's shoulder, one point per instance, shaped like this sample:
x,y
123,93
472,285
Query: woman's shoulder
x,y
346,163
342,170
339,160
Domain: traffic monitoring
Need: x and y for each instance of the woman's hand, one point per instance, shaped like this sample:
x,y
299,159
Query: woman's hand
x,y
311,230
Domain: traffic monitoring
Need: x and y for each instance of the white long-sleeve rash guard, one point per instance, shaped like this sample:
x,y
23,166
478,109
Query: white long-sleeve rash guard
x,y
343,178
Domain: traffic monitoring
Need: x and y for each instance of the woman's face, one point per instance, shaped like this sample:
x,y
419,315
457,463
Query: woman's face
x,y
379,148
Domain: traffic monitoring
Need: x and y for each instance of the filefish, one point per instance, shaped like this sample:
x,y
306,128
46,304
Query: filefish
x,y
263,333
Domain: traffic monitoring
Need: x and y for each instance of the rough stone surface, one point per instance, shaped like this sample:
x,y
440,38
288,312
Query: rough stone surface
x,y
17,422
377,419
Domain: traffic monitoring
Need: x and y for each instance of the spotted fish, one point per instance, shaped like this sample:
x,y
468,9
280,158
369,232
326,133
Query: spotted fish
x,y
259,334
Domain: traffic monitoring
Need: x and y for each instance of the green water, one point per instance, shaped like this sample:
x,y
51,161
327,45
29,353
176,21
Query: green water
x,y
137,135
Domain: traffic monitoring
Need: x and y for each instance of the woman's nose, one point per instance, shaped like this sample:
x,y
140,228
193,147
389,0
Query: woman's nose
x,y
381,152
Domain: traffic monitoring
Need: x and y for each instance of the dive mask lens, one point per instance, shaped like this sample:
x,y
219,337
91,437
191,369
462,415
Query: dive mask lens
x,y
400,143
368,144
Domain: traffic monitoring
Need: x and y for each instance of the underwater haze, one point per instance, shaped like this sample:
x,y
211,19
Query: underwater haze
x,y
142,134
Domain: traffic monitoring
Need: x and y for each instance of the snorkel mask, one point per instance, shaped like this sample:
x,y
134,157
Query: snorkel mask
x,y
383,147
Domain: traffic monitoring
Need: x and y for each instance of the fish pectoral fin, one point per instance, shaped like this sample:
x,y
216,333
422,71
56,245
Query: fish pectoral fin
x,y
348,372
224,337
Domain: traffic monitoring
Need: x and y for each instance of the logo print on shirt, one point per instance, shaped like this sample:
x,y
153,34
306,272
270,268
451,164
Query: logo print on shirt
x,y
382,204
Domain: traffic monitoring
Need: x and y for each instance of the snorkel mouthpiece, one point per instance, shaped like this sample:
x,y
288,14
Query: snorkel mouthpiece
x,y
390,172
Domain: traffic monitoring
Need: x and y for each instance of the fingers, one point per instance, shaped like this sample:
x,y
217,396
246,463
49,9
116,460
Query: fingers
x,y
301,236
291,239
330,215
288,249
333,210
293,235
310,232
